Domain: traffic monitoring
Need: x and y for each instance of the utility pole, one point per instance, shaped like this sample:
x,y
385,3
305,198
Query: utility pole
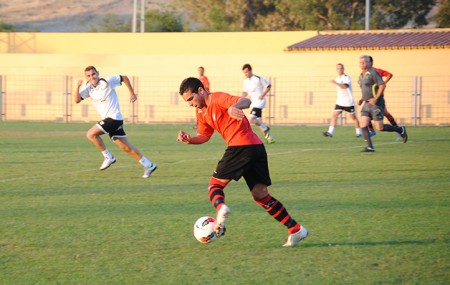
x,y
367,15
135,19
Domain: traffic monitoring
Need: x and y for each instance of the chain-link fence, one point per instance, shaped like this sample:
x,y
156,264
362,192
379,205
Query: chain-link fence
x,y
413,100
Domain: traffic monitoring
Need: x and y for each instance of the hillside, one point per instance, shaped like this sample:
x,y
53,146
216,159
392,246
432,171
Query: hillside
x,y
62,16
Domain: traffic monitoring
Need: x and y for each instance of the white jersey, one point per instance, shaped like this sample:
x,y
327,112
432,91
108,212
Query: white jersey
x,y
104,97
254,86
344,95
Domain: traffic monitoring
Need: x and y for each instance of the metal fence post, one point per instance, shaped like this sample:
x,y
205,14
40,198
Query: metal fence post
x,y
133,112
1,97
416,100
66,99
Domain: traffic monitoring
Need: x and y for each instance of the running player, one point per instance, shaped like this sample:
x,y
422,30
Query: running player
x,y
105,100
256,87
372,87
245,155
344,101
386,75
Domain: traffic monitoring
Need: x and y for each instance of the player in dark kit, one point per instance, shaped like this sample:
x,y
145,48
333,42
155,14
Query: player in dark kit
x,y
372,87
245,155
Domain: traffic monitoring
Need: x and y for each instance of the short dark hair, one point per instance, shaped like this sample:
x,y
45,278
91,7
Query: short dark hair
x,y
90,67
190,84
370,58
247,66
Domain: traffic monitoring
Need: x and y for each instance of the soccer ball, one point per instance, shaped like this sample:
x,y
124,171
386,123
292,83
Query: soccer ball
x,y
204,229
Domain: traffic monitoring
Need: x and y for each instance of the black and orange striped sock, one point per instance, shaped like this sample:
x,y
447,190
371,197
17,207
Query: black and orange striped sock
x,y
215,192
391,119
277,210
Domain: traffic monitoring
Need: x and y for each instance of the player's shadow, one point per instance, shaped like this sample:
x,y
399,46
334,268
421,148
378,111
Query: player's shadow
x,y
374,243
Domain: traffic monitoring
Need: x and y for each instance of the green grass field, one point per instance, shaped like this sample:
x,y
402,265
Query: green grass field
x,y
373,218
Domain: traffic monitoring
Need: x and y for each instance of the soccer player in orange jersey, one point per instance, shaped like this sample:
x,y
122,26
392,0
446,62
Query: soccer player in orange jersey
x,y
245,155
203,78
386,75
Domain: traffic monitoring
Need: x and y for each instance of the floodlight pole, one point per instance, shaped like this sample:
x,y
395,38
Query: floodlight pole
x,y
133,21
367,15
142,19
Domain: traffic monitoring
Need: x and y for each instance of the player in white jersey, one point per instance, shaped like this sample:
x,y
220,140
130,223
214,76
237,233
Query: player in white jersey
x,y
344,101
256,87
105,100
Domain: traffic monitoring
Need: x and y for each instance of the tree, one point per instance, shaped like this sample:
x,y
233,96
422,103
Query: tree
x,y
286,15
443,15
6,27
112,24
162,21
388,14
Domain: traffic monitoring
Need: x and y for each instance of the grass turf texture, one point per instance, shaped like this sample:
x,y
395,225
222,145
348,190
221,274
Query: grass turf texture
x,y
374,218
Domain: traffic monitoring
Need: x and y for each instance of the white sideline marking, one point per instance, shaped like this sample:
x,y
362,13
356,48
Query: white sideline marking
x,y
206,159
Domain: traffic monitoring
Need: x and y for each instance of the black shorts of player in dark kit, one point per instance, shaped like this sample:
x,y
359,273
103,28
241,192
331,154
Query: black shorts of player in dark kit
x,y
257,112
248,161
348,109
114,128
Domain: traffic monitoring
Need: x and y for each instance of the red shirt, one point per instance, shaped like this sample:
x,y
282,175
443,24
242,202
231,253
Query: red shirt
x,y
215,117
205,82
382,72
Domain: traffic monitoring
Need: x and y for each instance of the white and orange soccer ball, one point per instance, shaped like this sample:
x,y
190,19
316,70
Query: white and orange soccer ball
x,y
204,229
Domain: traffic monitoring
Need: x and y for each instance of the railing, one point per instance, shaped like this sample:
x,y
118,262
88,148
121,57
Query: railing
x,y
413,100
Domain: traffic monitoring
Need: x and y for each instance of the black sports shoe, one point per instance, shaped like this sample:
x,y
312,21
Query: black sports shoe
x,y
368,149
327,134
404,135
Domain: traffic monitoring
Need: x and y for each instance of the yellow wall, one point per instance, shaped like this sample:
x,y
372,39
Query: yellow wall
x,y
162,60
179,54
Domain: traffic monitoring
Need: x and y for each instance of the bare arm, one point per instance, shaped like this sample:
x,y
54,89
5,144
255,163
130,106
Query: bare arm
x,y
236,112
127,83
76,95
187,139
388,78
342,86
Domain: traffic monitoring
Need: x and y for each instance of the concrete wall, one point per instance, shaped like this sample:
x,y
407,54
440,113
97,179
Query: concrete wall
x,y
162,60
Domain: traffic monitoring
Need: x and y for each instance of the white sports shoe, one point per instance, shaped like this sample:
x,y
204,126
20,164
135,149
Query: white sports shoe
x,y
294,239
107,162
149,170
221,219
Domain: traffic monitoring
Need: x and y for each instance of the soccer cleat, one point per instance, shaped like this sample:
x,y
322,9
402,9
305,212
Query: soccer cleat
x,y
404,135
107,162
149,170
368,149
221,219
297,237
270,141
327,134
372,133
358,135
267,133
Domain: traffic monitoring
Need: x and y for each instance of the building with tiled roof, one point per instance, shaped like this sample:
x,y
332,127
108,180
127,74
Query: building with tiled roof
x,y
435,39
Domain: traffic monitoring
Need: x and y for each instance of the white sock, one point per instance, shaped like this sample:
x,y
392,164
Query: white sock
x,y
145,162
107,154
358,131
331,130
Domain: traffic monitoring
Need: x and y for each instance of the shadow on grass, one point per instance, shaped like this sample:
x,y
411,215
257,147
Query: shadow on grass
x,y
377,243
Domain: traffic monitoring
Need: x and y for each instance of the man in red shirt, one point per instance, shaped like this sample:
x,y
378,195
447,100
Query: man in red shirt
x,y
203,78
245,155
386,75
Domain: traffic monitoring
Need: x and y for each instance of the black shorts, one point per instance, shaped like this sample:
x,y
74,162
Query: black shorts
x,y
256,112
248,161
113,128
348,109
